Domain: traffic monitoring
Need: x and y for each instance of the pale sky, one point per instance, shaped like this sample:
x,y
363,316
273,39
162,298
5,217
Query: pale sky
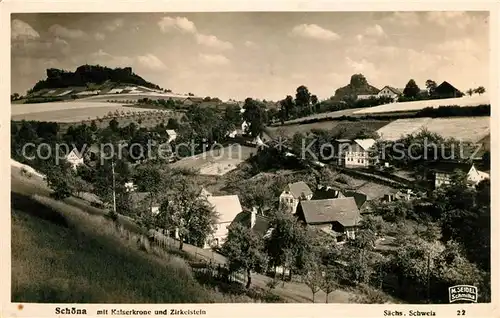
x,y
260,55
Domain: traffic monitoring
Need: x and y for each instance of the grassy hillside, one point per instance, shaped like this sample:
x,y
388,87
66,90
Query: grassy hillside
x,y
345,129
62,254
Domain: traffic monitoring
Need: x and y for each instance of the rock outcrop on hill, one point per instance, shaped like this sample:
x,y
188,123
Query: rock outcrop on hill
x,y
358,86
90,75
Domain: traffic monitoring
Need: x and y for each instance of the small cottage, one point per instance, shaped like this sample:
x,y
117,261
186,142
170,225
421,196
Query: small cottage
x,y
293,193
340,217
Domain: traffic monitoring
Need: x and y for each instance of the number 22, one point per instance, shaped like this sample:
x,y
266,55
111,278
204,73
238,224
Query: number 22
x,y
461,312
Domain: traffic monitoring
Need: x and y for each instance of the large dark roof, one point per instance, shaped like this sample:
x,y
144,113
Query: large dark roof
x,y
343,210
359,197
446,88
262,224
326,193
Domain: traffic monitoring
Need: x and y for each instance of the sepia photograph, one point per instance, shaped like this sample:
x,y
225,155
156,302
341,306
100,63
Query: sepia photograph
x,y
337,157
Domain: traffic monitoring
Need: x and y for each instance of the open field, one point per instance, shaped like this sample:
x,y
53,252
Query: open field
x,y
136,96
335,114
470,129
465,101
350,128
79,114
216,162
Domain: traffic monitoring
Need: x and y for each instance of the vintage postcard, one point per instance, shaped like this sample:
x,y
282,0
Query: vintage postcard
x,y
239,160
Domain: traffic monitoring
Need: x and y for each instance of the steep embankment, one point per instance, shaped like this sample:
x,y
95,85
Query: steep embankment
x,y
61,253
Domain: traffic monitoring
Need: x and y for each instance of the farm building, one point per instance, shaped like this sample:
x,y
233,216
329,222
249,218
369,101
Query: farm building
x,y
391,92
293,193
446,90
354,153
338,217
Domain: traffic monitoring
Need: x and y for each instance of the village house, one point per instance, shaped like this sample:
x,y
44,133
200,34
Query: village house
x,y
192,101
337,217
130,186
441,172
172,135
227,207
75,158
293,193
390,92
251,219
354,153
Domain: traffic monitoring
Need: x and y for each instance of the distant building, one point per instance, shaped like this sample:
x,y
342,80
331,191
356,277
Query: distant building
x,y
441,173
366,96
130,186
172,135
390,92
338,217
446,90
75,158
293,193
192,101
354,153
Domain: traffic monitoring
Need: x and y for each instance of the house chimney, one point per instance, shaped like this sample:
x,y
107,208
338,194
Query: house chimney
x,y
253,217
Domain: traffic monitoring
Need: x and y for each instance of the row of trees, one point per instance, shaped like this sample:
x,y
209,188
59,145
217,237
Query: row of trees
x,y
303,104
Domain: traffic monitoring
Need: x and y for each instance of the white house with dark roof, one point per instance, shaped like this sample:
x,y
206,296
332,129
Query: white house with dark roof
x,y
338,217
227,207
391,92
355,153
75,158
293,193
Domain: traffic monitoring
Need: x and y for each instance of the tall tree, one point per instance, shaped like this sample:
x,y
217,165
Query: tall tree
x,y
431,87
303,99
188,213
314,279
255,115
411,89
245,251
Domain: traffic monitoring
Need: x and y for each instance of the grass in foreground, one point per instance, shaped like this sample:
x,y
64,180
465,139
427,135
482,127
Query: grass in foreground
x,y
70,256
